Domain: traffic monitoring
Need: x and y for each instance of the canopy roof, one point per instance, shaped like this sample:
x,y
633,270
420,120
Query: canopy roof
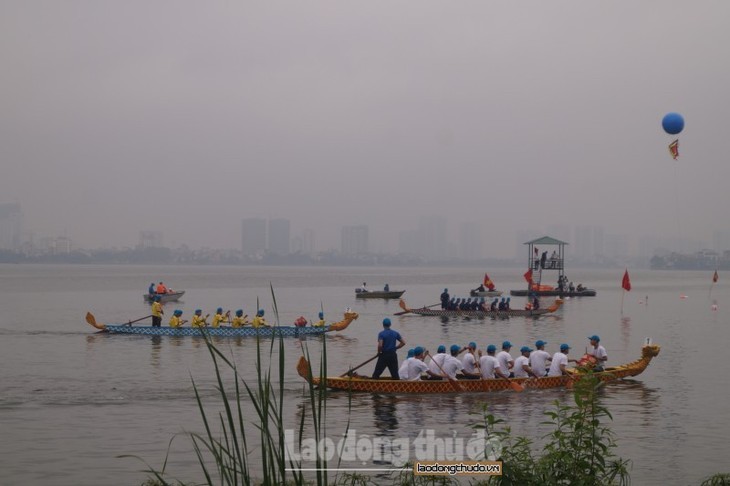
x,y
546,240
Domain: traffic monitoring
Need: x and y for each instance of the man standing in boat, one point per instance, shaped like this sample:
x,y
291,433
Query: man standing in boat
x,y
598,352
157,312
389,341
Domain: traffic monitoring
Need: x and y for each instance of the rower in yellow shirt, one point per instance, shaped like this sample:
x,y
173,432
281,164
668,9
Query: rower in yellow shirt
x,y
220,317
320,322
198,319
240,320
259,320
157,312
176,321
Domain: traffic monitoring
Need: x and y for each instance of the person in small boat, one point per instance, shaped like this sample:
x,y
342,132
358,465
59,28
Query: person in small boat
x,y
198,319
489,365
259,320
157,312
176,320
539,358
580,288
320,322
219,317
389,341
493,306
469,361
559,365
161,289
240,320
364,287
445,299
505,359
437,360
403,370
416,366
571,287
386,288
151,290
522,368
479,289
598,352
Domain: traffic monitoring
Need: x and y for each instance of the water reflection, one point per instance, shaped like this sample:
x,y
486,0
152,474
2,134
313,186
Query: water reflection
x,y
156,347
625,331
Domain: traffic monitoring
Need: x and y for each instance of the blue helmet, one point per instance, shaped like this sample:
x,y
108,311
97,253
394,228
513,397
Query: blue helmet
x,y
321,315
386,322
491,348
411,352
260,312
239,312
198,311
418,351
177,312
455,348
219,310
441,349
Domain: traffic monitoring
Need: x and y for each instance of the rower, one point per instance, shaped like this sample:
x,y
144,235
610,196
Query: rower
x,y
522,367
176,320
386,288
469,361
220,317
437,359
198,319
559,365
493,305
445,299
157,312
598,352
416,366
505,359
489,365
403,370
240,320
389,341
259,320
320,322
539,358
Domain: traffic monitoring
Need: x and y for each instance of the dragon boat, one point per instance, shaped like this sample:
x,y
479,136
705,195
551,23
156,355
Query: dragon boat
x,y
167,297
554,293
425,311
357,383
248,331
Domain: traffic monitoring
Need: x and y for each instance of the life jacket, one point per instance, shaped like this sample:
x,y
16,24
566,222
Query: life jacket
x,y
300,322
588,361
161,289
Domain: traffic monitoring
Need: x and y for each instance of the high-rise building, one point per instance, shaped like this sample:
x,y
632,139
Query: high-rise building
x,y
354,240
434,229
150,239
308,241
279,236
11,226
253,236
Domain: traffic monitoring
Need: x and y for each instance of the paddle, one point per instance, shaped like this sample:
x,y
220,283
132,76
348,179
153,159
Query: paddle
x,y
137,320
515,386
408,311
454,383
352,370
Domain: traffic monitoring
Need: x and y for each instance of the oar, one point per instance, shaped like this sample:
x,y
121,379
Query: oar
x,y
408,311
137,320
453,382
515,386
352,370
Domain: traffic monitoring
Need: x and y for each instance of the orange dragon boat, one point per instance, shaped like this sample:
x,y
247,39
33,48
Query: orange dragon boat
x,y
357,383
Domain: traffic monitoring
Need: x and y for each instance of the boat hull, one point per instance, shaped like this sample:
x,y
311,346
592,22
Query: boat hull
x,y
168,297
264,332
425,311
369,385
553,293
379,294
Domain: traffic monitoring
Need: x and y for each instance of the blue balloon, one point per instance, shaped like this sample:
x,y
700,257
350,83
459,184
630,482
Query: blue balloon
x,y
673,123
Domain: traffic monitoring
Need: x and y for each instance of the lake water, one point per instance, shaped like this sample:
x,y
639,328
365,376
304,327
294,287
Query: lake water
x,y
72,400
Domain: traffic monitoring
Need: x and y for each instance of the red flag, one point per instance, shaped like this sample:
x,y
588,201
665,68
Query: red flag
x,y
487,282
674,149
715,277
528,276
626,283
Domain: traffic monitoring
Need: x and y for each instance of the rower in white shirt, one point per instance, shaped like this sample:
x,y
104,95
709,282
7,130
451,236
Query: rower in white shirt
x,y
416,366
598,352
437,360
452,365
522,367
539,358
469,361
489,365
559,365
403,370
505,359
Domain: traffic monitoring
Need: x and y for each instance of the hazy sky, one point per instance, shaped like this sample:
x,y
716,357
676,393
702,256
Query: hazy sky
x,y
186,117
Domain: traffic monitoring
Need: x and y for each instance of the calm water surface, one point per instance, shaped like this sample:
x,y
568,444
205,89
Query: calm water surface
x,y
71,400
